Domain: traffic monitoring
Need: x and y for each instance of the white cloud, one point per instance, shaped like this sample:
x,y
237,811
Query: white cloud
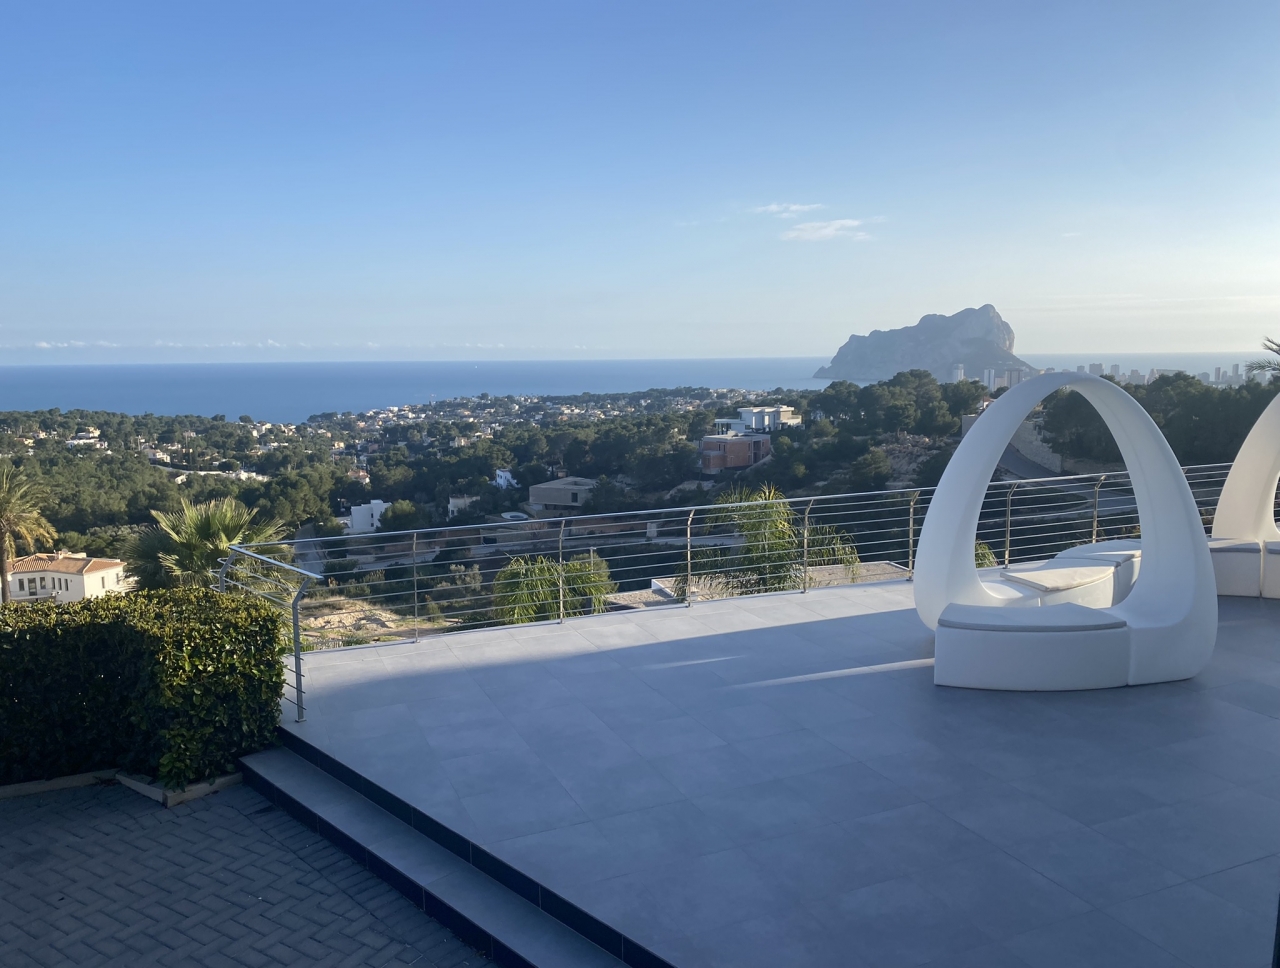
x,y
784,209
822,231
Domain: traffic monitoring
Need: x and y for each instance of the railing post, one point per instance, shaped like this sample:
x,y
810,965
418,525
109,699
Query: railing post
x,y
415,586
560,571
1096,488
222,572
297,650
911,535
1008,524
688,560
804,561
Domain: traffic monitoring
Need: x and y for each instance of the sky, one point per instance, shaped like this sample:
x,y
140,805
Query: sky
x,y
486,180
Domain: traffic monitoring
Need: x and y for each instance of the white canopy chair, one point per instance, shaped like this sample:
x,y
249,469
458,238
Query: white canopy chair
x,y
1245,537
991,635
1246,542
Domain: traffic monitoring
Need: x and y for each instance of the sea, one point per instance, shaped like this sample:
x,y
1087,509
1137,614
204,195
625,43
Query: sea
x,y
292,392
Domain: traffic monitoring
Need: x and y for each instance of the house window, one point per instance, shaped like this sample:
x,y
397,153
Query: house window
x,y
104,581
573,496
42,585
22,584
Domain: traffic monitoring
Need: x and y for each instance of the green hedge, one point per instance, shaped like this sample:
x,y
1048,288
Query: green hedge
x,y
172,684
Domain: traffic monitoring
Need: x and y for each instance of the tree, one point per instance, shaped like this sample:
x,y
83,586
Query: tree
x,y
1266,364
20,521
529,589
186,546
771,555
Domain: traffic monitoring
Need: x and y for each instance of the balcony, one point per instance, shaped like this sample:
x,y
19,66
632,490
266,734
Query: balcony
x,y
774,779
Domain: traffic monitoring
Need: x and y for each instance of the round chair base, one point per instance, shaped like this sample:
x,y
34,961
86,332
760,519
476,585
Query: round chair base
x,y
1053,648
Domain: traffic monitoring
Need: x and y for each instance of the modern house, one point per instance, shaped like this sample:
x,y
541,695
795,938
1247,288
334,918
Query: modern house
x,y
733,451
564,494
761,420
65,576
365,518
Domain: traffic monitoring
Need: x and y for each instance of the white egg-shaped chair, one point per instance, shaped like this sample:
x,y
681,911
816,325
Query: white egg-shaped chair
x,y
1246,542
989,637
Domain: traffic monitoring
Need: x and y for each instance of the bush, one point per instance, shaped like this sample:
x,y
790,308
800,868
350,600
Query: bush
x,y
173,684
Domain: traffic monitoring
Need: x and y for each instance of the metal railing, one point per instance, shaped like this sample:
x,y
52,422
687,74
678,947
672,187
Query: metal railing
x,y
360,589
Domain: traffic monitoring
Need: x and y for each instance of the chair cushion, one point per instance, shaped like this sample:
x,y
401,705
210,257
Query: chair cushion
x,y
1050,618
1220,546
1273,547
1121,548
1060,574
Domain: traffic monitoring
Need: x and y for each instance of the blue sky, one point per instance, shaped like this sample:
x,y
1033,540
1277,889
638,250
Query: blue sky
x,y
430,180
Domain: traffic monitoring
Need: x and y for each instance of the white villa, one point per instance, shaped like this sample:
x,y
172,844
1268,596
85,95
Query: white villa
x,y
66,577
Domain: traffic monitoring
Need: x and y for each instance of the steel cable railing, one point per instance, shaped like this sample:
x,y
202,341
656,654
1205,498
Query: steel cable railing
x,y
383,587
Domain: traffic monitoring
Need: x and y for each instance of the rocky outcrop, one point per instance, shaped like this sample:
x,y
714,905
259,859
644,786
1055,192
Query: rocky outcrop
x,y
977,339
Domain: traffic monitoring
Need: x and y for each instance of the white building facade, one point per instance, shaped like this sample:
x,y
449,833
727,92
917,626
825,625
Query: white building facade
x,y
65,577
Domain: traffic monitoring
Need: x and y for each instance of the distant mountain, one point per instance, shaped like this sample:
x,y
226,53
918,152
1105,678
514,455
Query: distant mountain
x,y
976,338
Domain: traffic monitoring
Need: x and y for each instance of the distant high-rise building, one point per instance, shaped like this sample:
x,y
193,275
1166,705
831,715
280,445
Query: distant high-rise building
x,y
1203,377
1012,377
1217,374
989,377
1235,371
1115,370
1136,378
957,372
1095,369
1079,369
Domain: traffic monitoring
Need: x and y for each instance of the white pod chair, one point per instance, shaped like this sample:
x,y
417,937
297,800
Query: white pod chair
x,y
1246,543
1164,629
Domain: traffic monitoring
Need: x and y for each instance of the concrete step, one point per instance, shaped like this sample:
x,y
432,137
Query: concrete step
x,y
490,917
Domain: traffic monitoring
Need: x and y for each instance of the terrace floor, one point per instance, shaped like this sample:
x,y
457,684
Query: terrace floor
x,y
776,781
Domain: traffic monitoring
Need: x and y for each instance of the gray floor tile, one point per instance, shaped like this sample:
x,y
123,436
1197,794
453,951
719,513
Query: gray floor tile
x,y
930,773
1093,867
603,791
1092,940
1253,887
822,861
667,736
769,809
792,753
1001,895
747,721
849,791
896,923
769,941
477,736
1088,794
1200,928
1204,836
1225,756
709,771
919,836
663,834
564,856
542,806
1005,816
494,772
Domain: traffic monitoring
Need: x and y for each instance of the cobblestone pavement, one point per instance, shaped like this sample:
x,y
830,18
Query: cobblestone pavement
x,y
104,876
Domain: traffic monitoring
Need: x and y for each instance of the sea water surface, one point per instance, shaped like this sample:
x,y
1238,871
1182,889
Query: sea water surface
x,y
291,392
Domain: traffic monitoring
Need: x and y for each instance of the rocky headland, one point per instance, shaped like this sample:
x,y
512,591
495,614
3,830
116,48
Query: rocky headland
x,y
978,339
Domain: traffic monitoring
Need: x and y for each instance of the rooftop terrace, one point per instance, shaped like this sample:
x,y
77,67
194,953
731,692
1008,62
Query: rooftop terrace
x,y
775,780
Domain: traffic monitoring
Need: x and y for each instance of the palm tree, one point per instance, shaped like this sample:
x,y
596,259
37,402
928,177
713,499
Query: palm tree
x,y
528,589
186,546
1266,364
20,520
771,556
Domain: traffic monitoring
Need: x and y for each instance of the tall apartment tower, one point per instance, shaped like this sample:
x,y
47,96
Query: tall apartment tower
x,y
1095,369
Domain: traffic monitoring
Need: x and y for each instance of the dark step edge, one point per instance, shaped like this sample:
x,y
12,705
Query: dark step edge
x,y
602,935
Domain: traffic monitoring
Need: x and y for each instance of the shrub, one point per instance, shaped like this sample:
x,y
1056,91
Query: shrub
x,y
173,684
